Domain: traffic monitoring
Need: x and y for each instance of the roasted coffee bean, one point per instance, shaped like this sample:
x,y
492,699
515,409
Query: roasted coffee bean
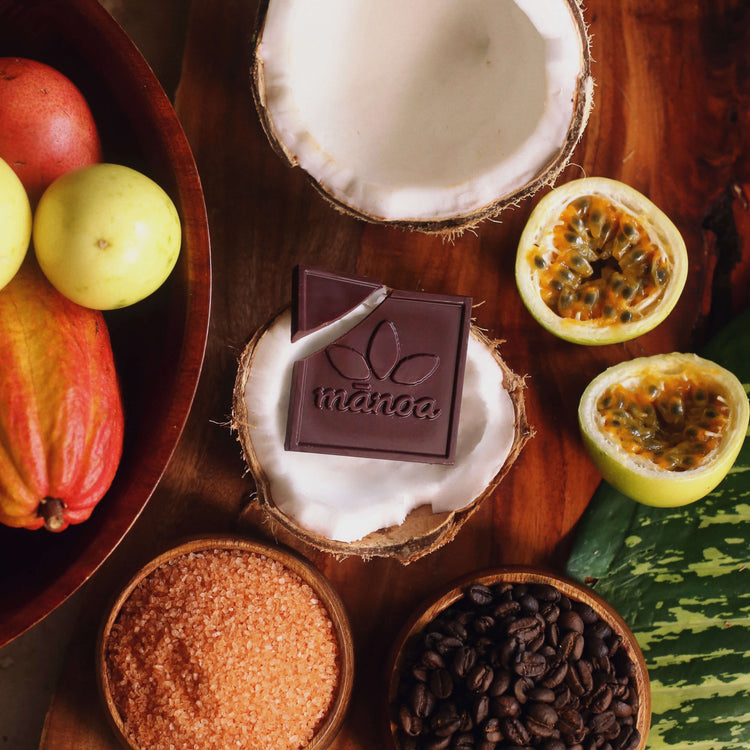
x,y
491,730
571,620
556,674
570,722
432,660
421,700
479,678
601,699
500,683
599,629
483,624
562,697
445,721
463,741
541,719
467,723
505,705
441,683
420,673
506,609
480,709
596,648
479,594
614,643
541,695
552,634
571,646
523,628
587,613
410,723
529,604
550,612
447,644
546,592
621,709
603,722
456,629
464,659
486,745
530,664
628,739
553,744
521,687
514,731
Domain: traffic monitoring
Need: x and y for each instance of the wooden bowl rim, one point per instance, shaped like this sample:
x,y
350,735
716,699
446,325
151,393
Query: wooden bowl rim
x,y
454,590
331,725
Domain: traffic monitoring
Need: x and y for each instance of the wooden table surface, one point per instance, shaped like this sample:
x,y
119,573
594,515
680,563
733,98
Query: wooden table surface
x,y
671,118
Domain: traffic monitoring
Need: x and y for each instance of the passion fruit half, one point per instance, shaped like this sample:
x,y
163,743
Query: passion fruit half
x,y
664,430
599,263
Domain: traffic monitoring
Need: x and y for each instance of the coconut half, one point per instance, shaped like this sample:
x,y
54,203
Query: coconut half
x,y
370,507
429,114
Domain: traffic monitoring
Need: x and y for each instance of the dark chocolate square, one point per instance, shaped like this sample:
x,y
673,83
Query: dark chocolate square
x,y
390,387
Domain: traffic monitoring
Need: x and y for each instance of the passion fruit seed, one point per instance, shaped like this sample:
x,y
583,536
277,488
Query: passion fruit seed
x,y
676,423
600,263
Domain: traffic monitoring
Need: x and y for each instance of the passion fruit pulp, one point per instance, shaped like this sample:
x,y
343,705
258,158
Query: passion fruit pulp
x,y
599,263
664,430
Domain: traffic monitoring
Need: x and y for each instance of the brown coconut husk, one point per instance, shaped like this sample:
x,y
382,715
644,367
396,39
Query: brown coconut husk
x,y
450,226
422,531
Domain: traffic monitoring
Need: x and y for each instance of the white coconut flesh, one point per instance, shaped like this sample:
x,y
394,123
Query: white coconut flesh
x,y
426,109
345,498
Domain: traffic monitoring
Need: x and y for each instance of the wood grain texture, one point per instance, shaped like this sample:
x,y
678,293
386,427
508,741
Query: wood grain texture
x,y
671,117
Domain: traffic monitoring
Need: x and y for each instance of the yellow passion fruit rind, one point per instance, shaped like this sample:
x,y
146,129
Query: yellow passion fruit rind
x,y
599,263
664,430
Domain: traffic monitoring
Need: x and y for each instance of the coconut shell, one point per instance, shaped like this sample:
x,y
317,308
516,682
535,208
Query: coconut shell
x,y
422,531
449,226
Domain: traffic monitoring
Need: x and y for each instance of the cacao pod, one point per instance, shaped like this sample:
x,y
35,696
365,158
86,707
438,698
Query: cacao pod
x,y
61,413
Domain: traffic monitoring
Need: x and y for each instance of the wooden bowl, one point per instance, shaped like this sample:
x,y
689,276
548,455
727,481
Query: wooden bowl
x,y
158,343
330,726
454,591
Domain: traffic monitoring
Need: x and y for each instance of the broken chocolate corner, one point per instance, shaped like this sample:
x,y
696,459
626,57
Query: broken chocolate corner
x,y
388,388
321,297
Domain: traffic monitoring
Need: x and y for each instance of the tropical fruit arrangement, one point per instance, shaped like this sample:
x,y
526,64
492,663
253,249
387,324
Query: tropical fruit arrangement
x,y
79,236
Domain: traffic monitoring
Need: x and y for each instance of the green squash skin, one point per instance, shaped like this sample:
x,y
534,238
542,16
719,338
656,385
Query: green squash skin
x,y
680,577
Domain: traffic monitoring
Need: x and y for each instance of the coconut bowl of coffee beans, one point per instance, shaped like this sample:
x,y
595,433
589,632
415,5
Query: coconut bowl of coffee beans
x,y
514,658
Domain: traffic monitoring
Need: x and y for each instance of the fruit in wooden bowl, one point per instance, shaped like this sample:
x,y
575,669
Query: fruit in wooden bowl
x,y
158,344
431,115
226,642
517,657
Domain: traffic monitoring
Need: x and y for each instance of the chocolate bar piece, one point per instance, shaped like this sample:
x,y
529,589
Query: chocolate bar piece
x,y
320,297
390,387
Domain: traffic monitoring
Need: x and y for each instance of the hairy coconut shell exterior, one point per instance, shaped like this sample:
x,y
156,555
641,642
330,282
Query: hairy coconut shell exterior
x,y
423,531
449,226
61,414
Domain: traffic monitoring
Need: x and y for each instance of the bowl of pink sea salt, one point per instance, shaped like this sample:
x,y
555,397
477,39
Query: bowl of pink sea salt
x,y
224,642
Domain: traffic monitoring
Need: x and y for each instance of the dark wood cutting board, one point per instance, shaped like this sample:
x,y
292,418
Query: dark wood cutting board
x,y
671,118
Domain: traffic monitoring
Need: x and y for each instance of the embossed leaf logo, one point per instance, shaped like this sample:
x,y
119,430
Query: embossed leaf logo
x,y
348,362
383,359
415,369
384,349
